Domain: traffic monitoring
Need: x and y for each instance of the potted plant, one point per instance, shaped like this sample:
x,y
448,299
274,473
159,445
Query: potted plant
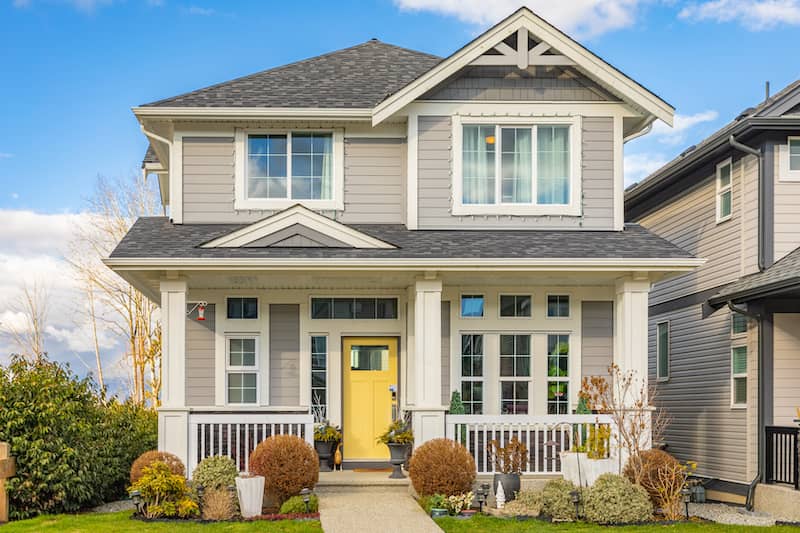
x,y
509,461
250,490
399,438
326,438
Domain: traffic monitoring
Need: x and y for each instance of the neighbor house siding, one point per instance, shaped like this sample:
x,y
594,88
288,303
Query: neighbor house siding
x,y
697,397
597,338
284,354
445,353
434,181
200,357
786,212
786,361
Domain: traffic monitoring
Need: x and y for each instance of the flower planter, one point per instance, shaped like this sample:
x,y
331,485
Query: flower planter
x,y
438,513
398,453
251,495
325,450
582,471
510,485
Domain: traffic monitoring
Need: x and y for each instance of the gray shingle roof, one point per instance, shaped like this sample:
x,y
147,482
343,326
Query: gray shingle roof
x,y
150,156
784,273
357,77
157,237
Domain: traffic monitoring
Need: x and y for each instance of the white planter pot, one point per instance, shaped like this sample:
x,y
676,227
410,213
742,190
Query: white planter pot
x,y
251,495
582,471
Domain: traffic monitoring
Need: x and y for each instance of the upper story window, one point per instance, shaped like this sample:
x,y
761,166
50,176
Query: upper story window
x,y
241,308
557,306
354,308
794,154
518,169
515,305
277,169
724,191
472,306
789,164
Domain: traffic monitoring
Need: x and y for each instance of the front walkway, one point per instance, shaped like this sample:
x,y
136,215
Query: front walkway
x,y
355,502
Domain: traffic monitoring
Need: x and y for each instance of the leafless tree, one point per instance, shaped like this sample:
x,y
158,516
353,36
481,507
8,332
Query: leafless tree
x,y
32,304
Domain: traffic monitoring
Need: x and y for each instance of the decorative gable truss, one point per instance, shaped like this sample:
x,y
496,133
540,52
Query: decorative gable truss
x,y
520,49
297,227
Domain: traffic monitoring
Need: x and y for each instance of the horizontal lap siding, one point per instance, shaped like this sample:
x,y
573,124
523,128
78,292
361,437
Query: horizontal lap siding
x,y
200,360
208,181
374,187
434,181
597,338
697,397
284,354
786,391
787,213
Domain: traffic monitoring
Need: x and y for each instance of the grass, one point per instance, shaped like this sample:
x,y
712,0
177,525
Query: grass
x,y
121,523
504,525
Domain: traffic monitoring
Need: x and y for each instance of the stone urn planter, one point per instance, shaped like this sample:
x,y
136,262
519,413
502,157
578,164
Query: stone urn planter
x,y
398,454
582,471
511,484
251,495
325,450
399,438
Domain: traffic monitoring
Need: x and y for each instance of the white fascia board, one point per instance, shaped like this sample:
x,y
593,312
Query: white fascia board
x,y
287,113
591,64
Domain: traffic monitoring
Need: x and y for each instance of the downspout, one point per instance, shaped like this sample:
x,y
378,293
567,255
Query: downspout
x,y
751,489
736,145
638,134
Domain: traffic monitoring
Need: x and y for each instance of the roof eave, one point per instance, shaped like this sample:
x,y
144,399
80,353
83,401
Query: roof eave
x,y
285,113
771,289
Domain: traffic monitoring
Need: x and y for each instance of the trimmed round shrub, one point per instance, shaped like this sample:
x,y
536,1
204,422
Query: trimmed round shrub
x,y
215,472
148,458
649,464
557,500
288,463
527,503
615,500
296,505
442,466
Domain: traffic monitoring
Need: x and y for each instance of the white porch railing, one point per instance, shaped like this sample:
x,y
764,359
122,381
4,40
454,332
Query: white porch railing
x,y
237,434
544,436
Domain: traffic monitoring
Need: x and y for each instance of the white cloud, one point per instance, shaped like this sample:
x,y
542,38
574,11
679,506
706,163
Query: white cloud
x,y
585,18
755,15
682,124
639,166
202,11
6,155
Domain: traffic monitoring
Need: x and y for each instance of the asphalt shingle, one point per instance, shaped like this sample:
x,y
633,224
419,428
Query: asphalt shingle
x,y
786,271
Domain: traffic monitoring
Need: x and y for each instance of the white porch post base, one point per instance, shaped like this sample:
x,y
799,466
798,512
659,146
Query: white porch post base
x,y
173,433
428,425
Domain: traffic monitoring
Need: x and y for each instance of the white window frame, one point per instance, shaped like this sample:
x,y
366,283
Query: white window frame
x,y
659,355
525,379
460,308
311,371
472,379
547,306
573,208
561,379
735,335
241,200
786,173
723,190
515,317
241,369
735,405
238,320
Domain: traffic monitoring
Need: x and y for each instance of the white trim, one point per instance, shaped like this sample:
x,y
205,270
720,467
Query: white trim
x,y
243,369
573,208
412,169
242,201
297,214
785,173
595,67
619,173
722,190
289,113
176,179
665,378
513,110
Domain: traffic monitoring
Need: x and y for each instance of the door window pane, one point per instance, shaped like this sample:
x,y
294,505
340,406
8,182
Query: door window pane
x,y
478,162
369,357
553,168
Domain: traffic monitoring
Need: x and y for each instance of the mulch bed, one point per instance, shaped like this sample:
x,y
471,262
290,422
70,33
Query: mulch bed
x,y
267,517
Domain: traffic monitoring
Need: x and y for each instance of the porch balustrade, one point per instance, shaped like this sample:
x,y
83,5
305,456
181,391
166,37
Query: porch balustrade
x,y
544,436
782,454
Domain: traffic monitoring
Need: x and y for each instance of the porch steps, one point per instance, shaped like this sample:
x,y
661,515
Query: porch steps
x,y
351,478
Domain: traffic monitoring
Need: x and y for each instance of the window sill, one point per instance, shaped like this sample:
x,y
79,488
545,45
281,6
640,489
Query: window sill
x,y
459,209
739,406
727,218
279,205
662,380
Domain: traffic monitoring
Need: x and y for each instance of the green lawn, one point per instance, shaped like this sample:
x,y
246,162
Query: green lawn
x,y
122,523
503,525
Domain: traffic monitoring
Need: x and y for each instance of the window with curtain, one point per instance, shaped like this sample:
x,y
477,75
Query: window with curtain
x,y
479,164
294,165
516,165
552,156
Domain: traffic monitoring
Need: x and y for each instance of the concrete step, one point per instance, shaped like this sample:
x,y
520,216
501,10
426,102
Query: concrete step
x,y
351,478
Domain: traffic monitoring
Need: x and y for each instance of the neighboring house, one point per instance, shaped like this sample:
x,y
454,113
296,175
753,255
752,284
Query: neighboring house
x,y
369,230
734,199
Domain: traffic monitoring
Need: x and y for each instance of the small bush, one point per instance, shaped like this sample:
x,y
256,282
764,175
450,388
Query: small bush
x,y
442,466
511,458
164,493
296,505
288,463
434,501
527,503
663,477
148,458
218,504
615,500
215,472
557,500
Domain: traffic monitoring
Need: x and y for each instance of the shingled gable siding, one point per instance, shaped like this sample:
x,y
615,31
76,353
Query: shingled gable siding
x,y
200,358
697,397
374,182
284,354
434,181
597,338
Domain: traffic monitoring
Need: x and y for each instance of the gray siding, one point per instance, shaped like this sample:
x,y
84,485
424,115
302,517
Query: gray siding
x,y
284,354
435,193
445,353
786,212
208,180
786,353
597,338
200,365
513,84
697,396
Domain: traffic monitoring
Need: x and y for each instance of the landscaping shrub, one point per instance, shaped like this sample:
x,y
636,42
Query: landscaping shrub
x,y
164,493
615,500
527,503
73,448
458,502
442,466
215,472
288,463
663,477
296,505
434,501
557,500
218,504
148,458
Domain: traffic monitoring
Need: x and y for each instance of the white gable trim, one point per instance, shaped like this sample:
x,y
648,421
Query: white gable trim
x,y
542,31
297,215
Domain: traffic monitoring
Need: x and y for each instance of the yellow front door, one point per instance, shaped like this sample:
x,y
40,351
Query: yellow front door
x,y
370,392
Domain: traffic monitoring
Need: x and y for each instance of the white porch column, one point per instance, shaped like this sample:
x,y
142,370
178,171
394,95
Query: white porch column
x,y
173,418
428,413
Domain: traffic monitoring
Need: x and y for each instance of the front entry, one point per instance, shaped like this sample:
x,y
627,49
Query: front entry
x,y
370,395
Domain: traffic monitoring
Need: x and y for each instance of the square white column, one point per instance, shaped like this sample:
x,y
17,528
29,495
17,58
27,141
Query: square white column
x,y
173,343
428,411
631,347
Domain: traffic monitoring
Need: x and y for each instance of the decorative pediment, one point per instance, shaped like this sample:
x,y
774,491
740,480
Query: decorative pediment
x,y
297,227
522,50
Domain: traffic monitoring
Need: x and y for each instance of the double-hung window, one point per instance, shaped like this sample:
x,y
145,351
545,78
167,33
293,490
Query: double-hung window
x,y
739,376
789,160
515,373
557,374
724,191
662,351
242,369
472,373
517,168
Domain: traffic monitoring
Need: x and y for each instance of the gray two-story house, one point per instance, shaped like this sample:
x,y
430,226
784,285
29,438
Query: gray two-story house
x,y
725,338
355,236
